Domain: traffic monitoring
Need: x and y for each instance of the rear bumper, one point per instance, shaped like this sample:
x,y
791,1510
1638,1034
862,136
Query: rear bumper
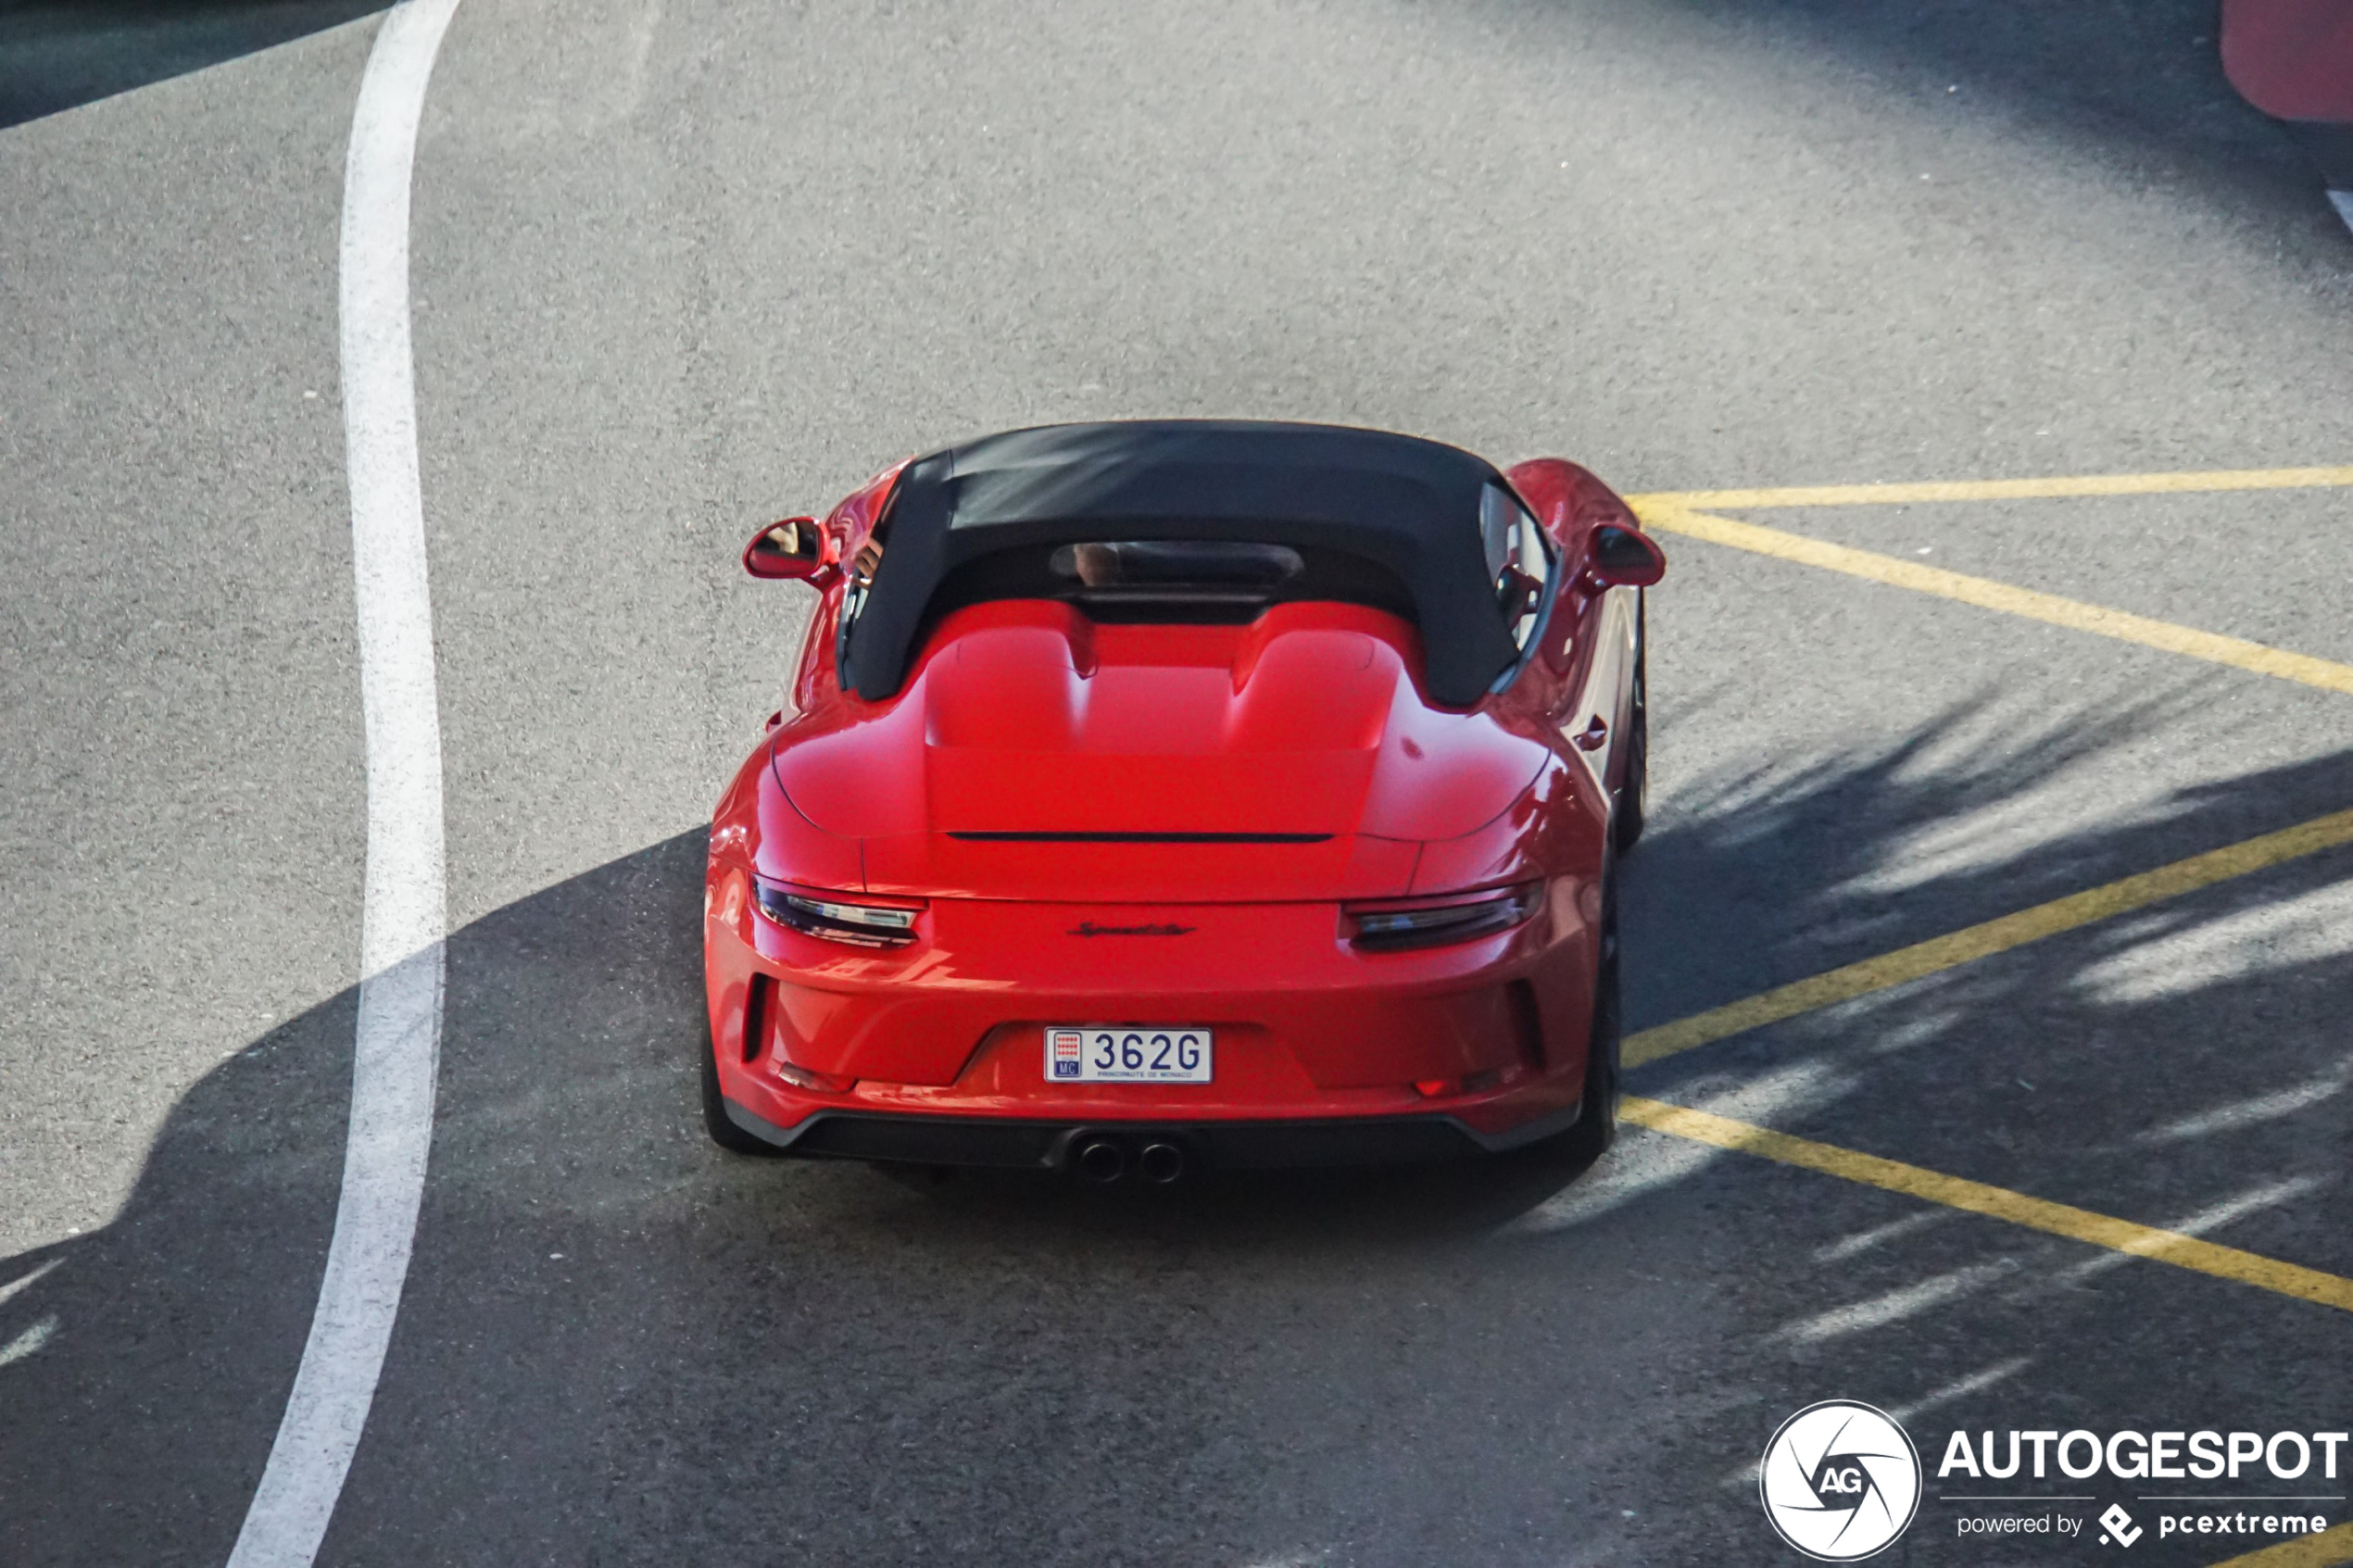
x,y
935,1052
1021,1143
1308,1026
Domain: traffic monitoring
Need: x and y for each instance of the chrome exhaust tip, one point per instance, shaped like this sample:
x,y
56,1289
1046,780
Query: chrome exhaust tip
x,y
1160,1163
1100,1162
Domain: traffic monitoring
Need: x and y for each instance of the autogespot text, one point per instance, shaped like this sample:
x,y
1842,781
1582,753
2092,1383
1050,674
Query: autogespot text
x,y
2153,1456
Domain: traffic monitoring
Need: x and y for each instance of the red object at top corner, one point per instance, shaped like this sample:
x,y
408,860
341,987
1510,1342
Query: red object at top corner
x,y
2290,58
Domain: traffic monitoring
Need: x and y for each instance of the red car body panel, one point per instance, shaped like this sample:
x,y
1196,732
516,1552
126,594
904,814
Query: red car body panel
x,y
1306,730
2290,58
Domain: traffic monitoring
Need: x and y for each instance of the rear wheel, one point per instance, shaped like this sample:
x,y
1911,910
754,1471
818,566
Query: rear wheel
x,y
1596,1126
715,1121
1626,824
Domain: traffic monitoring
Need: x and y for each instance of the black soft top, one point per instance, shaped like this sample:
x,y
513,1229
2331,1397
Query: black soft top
x,y
1404,504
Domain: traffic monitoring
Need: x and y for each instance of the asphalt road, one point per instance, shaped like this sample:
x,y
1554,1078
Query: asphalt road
x,y
679,267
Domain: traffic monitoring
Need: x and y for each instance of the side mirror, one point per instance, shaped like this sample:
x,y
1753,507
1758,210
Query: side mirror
x,y
1620,557
793,550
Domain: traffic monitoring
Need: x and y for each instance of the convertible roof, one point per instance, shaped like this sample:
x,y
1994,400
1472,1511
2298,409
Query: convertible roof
x,y
1409,504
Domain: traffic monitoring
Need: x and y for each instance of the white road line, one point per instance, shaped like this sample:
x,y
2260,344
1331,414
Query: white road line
x,y
398,1041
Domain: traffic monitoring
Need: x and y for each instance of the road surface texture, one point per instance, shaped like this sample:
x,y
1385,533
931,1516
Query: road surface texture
x,y
679,267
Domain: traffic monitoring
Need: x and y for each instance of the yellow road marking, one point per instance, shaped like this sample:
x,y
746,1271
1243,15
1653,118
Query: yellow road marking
x,y
1922,958
1677,513
2330,1549
2011,489
1667,518
2000,1203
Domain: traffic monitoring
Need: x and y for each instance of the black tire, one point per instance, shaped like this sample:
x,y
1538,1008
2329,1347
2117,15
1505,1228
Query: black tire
x,y
1626,822
1596,1126
725,1133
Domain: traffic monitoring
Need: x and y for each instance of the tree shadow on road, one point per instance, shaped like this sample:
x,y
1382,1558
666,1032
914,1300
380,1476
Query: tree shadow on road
x,y
56,55
614,1334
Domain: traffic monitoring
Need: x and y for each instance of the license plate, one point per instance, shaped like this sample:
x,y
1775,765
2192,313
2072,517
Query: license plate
x,y
1140,1053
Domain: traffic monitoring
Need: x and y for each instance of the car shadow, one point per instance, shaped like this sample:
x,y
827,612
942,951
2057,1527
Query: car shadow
x,y
56,55
589,1269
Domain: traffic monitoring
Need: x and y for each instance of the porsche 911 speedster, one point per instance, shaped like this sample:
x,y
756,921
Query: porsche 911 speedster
x,y
1175,795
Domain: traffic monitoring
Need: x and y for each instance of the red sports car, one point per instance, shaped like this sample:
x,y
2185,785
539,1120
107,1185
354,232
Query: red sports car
x,y
1173,796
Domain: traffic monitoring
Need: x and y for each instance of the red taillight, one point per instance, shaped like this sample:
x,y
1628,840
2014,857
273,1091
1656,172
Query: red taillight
x,y
809,1078
1393,924
1470,1083
855,922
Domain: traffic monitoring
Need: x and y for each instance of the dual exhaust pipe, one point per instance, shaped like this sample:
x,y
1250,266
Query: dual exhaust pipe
x,y
1102,1160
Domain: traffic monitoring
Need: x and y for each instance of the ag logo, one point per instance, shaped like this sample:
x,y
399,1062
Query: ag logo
x,y
1839,1481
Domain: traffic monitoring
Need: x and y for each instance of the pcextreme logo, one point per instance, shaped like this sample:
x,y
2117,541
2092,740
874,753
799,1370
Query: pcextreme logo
x,y
1839,1481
